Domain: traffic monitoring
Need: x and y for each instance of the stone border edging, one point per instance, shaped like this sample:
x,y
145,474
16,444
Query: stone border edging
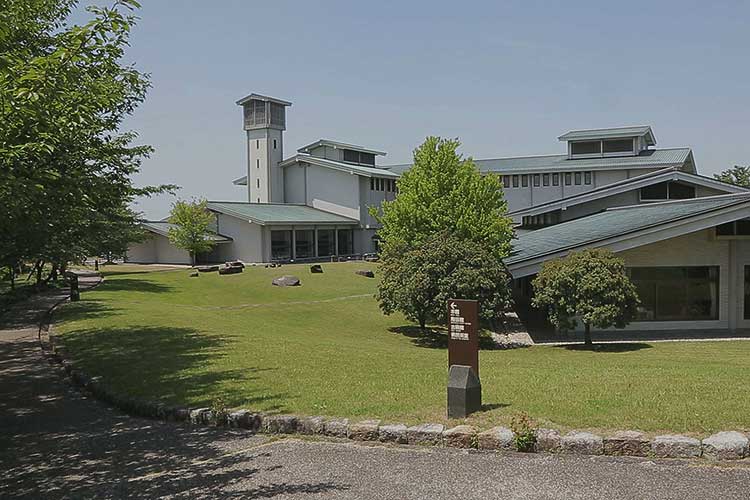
x,y
726,445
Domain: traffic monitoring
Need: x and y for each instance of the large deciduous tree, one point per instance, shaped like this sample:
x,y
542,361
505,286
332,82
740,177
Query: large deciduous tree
x,y
192,227
444,236
65,166
590,286
737,175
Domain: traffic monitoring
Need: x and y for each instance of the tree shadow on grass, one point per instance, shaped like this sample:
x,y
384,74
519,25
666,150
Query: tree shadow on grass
x,y
434,337
134,285
167,364
607,347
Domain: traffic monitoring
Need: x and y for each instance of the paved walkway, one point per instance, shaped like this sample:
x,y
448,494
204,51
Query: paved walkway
x,y
57,443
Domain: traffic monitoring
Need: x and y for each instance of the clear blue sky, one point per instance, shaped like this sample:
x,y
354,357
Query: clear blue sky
x,y
505,77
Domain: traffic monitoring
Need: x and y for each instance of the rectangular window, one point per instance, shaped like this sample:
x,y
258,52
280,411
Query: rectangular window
x,y
257,144
281,244
274,144
568,178
667,191
735,228
586,148
304,244
257,163
618,146
351,156
372,183
326,242
545,179
515,181
677,293
367,158
587,178
257,181
555,179
536,180
346,242
506,181
524,180
578,178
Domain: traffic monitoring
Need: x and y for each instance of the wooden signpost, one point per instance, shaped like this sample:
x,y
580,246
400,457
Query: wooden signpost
x,y
464,388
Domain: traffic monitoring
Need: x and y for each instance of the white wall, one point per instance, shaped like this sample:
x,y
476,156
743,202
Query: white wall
x,y
334,191
294,184
157,249
247,244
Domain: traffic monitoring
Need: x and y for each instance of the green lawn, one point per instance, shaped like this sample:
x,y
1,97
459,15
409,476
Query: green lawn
x,y
325,348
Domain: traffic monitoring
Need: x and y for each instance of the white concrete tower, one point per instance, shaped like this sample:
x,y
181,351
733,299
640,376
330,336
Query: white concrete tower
x,y
265,122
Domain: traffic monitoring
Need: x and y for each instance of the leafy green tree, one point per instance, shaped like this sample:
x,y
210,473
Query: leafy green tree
x,y
444,236
192,231
420,282
65,166
738,175
590,286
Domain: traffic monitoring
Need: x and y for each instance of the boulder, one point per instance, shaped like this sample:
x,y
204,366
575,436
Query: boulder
x,y
582,443
316,268
311,425
244,419
207,269
511,340
627,443
425,434
287,281
280,424
497,438
727,445
199,416
235,263
393,433
338,427
461,436
365,272
194,274
230,270
366,430
547,440
675,446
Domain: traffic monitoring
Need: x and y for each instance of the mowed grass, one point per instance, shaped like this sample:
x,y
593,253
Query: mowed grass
x,y
326,349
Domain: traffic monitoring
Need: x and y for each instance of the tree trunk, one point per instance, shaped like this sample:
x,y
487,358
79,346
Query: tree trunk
x,y
12,277
422,321
39,269
587,336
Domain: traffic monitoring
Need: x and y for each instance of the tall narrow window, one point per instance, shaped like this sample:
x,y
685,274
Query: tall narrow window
x,y
274,144
257,144
568,178
555,179
536,180
372,183
506,181
524,180
515,181
257,163
545,179
587,178
578,178
258,182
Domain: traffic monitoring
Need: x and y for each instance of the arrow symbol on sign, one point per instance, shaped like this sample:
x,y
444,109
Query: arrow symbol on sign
x,y
453,305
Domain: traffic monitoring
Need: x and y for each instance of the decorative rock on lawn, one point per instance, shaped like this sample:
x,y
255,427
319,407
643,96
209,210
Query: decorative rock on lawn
x,y
365,272
194,274
728,445
207,269
230,270
460,436
394,433
429,434
199,416
364,431
316,268
286,281
547,440
497,438
235,263
582,443
337,427
627,443
280,424
244,419
311,425
675,446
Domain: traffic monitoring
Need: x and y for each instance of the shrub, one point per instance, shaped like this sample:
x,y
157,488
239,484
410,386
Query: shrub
x,y
524,428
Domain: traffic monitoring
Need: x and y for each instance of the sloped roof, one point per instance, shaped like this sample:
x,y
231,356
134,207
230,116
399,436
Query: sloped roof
x,y
277,213
338,165
260,97
650,178
162,228
338,145
652,158
612,223
611,133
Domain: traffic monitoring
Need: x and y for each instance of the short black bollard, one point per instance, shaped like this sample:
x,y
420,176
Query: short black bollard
x,y
464,392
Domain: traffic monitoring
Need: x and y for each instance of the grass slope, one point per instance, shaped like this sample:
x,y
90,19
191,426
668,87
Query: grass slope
x,y
325,348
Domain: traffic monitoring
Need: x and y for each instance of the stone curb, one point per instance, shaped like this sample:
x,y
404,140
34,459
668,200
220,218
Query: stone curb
x,y
727,445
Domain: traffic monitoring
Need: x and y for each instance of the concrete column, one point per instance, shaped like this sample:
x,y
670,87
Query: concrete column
x,y
336,240
315,235
294,243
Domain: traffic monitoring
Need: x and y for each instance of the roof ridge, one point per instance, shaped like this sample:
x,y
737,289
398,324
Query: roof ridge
x,y
686,200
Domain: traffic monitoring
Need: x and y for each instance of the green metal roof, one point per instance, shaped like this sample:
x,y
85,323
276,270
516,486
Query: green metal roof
x,y
611,223
610,133
277,213
162,228
339,165
652,158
